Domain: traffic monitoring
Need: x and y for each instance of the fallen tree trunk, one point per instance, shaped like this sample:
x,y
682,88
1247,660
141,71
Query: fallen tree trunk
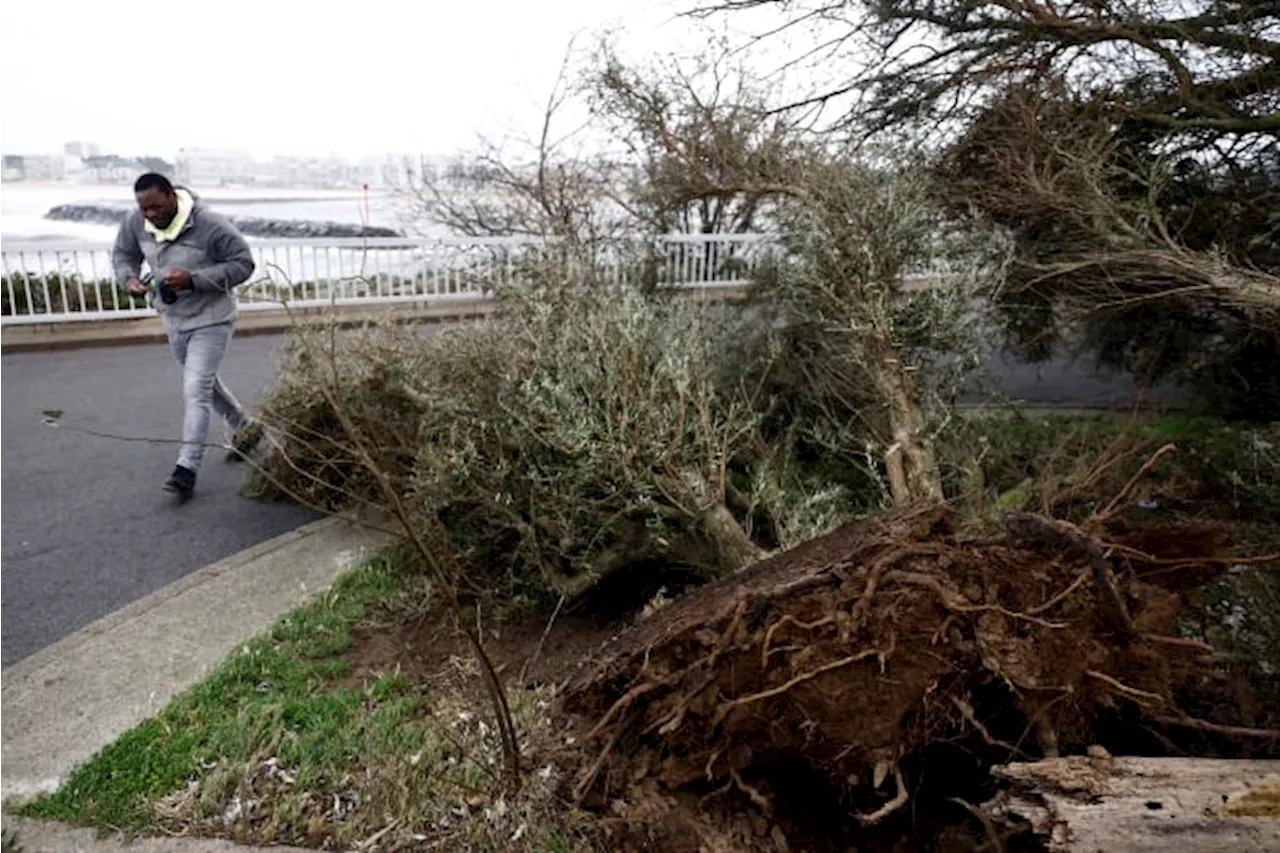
x,y
1084,804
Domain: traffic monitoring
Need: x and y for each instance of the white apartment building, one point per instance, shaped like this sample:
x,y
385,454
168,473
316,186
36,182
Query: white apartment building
x,y
214,167
44,167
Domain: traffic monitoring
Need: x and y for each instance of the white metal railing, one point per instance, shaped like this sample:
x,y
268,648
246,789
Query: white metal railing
x,y
46,282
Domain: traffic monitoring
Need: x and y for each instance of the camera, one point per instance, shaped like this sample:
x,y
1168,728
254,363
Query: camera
x,y
167,295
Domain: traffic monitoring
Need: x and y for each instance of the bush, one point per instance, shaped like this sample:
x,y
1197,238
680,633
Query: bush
x,y
583,432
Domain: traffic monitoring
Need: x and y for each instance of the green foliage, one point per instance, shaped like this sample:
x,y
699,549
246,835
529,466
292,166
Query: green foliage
x,y
852,244
583,431
25,294
610,433
1220,469
867,347
590,429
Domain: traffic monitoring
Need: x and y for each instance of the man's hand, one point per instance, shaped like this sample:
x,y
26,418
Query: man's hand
x,y
177,278
135,287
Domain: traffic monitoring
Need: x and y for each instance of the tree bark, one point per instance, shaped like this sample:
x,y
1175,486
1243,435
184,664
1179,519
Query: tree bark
x,y
733,546
912,467
1084,804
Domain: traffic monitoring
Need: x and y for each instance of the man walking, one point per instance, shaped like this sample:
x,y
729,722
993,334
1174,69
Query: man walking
x,y
197,259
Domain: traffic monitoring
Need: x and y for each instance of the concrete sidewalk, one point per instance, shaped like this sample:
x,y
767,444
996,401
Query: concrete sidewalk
x,y
47,337
64,703
44,836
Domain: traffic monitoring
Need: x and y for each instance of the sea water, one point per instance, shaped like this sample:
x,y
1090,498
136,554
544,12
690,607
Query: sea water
x,y
23,207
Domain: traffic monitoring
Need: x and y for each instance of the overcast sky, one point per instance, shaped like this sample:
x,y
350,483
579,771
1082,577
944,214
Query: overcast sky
x,y
353,78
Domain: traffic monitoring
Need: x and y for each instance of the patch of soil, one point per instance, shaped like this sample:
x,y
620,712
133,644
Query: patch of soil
x,y
854,692
430,651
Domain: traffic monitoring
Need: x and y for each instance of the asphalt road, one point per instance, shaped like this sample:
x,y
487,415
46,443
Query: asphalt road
x,y
1069,383
86,529
85,526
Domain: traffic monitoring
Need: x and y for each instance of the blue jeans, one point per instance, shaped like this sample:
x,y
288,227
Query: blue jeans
x,y
200,353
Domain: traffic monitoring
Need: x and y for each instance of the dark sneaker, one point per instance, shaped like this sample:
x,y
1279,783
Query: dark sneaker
x,y
245,441
182,482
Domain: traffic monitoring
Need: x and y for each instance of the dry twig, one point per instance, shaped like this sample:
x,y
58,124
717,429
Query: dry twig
x,y
988,826
1142,697
1206,726
966,710
1114,504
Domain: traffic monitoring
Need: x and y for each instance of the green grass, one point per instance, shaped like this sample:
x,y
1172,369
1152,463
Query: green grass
x,y
276,685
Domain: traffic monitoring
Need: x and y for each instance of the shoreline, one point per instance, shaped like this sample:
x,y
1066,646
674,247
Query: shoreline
x,y
234,192
25,207
111,214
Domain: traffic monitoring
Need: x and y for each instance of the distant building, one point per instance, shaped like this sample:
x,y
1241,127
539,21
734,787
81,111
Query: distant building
x,y
317,172
156,164
10,168
214,167
74,168
83,150
389,171
43,167
112,169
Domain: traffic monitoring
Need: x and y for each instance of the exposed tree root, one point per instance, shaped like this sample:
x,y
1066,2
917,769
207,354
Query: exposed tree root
x,y
863,645
723,710
899,800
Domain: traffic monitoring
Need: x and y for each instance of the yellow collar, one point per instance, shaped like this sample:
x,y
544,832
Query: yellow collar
x,y
166,235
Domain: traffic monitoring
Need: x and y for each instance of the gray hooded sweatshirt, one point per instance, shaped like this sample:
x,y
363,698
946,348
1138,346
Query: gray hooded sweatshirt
x,y
208,245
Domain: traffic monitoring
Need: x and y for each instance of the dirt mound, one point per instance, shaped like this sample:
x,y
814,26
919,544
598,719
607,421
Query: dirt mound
x,y
807,700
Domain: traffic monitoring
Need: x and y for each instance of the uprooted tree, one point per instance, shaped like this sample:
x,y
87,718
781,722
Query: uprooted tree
x,y
584,431
587,437
587,431
590,439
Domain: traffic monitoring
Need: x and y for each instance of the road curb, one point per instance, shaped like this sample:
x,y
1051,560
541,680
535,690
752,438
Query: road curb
x,y
71,335
52,337
26,667
64,703
1019,409
47,836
